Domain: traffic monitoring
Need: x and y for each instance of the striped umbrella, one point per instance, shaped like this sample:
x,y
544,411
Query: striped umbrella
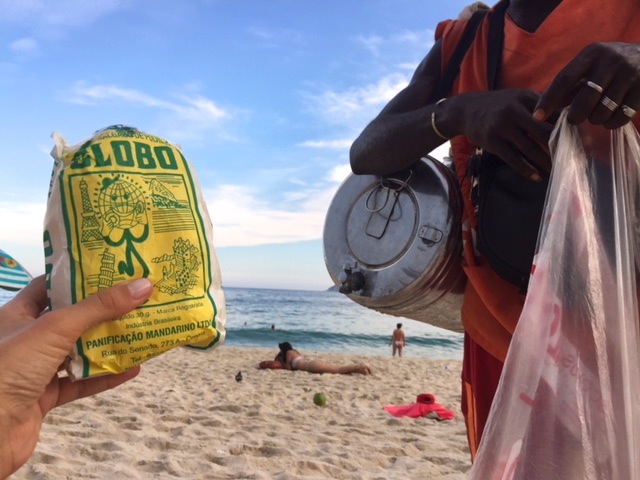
x,y
12,275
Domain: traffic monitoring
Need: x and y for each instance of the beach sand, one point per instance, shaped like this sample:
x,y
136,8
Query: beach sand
x,y
185,416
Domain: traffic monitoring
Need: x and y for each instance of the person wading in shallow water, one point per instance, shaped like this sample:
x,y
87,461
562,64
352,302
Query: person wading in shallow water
x,y
398,341
580,54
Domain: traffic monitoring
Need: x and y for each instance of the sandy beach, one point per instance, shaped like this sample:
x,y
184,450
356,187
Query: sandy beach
x,y
185,416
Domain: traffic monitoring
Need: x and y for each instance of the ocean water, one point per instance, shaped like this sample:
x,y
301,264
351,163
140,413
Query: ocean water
x,y
5,296
323,321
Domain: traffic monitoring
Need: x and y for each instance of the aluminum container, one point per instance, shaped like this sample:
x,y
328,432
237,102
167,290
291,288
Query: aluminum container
x,y
393,243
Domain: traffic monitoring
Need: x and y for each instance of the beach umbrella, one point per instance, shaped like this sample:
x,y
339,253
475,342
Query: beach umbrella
x,y
13,276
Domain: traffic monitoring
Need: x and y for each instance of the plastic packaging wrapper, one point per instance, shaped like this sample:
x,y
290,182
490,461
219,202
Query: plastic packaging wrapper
x,y
124,205
568,403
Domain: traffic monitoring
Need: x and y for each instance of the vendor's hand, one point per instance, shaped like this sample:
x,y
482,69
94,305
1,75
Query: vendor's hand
x,y
602,85
34,343
500,121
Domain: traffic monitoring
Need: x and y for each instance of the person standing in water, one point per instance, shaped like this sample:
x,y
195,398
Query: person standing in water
x,y
398,341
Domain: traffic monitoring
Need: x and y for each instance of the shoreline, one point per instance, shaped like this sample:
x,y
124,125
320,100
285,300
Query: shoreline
x,y
185,416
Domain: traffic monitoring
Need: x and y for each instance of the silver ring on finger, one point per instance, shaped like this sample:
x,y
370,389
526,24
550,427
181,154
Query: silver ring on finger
x,y
595,86
607,102
628,111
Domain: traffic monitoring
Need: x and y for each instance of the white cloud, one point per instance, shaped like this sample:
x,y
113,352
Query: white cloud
x,y
274,38
92,94
191,115
371,43
239,219
330,144
355,107
62,13
403,44
199,108
399,54
339,173
194,108
242,219
422,39
24,45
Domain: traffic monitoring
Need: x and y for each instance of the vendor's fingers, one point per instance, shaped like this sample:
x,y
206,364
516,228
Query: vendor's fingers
x,y
540,131
627,110
586,101
595,84
529,140
594,67
536,142
514,158
612,98
619,119
553,119
71,322
535,153
562,90
70,391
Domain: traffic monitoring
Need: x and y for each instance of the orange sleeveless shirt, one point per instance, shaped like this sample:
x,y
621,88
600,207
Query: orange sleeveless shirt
x,y
491,305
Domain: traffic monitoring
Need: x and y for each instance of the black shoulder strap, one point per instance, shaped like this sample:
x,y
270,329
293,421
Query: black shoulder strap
x,y
453,66
495,42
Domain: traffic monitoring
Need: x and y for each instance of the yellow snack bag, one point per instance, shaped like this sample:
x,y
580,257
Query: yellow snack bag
x,y
124,205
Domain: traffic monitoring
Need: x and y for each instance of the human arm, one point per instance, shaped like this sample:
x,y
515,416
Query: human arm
x,y
271,365
499,121
399,136
612,70
34,343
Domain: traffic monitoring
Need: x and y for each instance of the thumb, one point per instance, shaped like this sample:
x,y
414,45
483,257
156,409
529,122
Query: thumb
x,y
71,322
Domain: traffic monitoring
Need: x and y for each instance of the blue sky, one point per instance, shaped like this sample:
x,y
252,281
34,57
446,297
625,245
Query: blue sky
x,y
263,96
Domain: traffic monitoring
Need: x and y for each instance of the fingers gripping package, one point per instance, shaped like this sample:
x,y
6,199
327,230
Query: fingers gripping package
x,y
124,205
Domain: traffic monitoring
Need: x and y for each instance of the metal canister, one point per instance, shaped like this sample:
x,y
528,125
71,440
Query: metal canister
x,y
393,243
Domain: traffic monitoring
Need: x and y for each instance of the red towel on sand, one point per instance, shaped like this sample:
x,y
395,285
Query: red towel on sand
x,y
425,406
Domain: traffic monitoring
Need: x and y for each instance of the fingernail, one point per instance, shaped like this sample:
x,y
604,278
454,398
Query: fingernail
x,y
140,288
538,114
535,177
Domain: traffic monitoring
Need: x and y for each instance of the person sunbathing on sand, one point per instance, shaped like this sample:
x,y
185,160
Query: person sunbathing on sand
x,y
294,360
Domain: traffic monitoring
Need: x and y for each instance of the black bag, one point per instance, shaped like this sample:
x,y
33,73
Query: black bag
x,y
509,205
509,214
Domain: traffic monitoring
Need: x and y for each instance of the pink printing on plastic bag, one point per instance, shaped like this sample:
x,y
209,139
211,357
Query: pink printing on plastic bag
x,y
568,403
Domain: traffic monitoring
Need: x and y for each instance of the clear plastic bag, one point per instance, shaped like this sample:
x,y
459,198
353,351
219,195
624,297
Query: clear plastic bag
x,y
568,403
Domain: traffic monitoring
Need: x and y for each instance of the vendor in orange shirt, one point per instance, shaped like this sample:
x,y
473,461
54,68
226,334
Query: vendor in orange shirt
x,y
555,53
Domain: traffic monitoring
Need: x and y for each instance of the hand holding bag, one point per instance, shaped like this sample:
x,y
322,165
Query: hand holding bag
x,y
568,403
